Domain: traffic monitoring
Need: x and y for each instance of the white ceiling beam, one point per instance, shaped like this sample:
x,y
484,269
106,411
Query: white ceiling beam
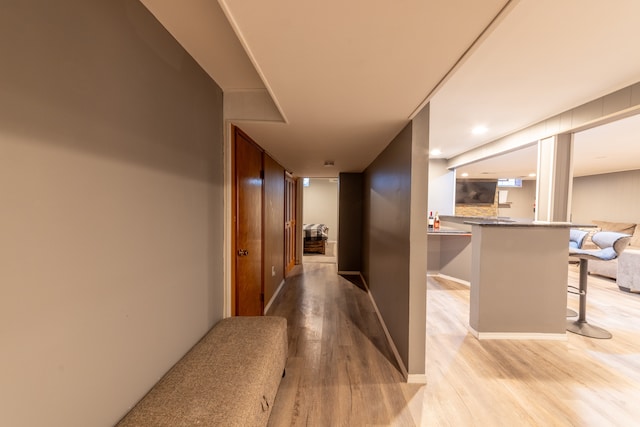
x,y
622,103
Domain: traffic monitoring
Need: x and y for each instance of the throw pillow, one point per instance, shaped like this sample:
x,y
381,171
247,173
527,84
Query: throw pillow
x,y
588,243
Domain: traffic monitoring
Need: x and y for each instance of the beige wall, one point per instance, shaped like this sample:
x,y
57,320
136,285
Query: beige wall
x,y
442,187
608,197
320,204
111,209
520,200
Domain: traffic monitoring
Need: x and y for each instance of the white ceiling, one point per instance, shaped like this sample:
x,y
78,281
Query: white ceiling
x,y
613,147
347,77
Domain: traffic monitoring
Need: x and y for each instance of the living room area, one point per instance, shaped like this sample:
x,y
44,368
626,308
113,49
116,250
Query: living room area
x,y
606,175
581,381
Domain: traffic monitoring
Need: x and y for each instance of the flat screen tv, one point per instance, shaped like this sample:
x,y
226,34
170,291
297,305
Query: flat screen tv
x,y
475,192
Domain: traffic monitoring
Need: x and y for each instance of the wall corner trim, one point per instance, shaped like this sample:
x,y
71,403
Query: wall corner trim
x,y
417,379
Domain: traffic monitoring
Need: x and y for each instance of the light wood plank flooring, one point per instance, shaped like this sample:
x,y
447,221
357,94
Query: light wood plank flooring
x,y
340,371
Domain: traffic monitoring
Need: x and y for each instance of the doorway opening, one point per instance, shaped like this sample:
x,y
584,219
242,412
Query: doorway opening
x,y
320,220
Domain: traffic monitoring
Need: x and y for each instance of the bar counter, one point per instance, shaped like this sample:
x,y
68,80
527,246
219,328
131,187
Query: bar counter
x,y
518,276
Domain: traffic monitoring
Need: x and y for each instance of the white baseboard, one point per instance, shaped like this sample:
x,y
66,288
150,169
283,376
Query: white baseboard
x,y
417,378
275,294
517,335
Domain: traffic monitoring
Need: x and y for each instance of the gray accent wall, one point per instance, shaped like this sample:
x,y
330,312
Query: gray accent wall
x,y
350,222
111,211
395,238
387,204
450,255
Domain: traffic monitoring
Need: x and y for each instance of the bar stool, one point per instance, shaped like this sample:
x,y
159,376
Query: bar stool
x,y
576,240
611,246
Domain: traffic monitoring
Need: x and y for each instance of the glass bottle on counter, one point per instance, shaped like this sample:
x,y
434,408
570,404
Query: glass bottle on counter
x,y
436,222
431,220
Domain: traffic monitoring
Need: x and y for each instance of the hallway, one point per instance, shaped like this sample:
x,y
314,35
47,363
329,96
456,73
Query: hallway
x,y
341,372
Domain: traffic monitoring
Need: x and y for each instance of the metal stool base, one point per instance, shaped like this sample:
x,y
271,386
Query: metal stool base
x,y
580,326
587,330
571,313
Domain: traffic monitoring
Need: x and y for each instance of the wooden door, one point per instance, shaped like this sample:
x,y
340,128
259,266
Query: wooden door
x,y
247,248
289,223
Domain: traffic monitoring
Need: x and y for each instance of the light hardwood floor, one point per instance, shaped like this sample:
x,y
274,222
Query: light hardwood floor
x,y
340,371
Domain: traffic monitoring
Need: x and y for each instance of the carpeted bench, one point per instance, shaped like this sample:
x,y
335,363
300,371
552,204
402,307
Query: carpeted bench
x,y
229,378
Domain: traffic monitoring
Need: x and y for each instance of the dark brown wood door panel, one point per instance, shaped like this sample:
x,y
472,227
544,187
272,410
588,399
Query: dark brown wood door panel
x,y
248,227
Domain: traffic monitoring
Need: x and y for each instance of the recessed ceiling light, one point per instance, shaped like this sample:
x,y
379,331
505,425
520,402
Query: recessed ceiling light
x,y
532,174
479,130
328,163
436,152
464,174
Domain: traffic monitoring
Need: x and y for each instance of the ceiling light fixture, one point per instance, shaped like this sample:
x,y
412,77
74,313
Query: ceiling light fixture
x,y
328,163
479,130
436,152
532,174
464,174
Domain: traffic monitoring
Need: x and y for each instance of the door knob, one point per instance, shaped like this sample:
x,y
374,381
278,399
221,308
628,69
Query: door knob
x,y
243,252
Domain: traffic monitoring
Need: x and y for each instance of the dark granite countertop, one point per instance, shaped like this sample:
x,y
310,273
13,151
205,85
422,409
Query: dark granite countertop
x,y
503,223
508,222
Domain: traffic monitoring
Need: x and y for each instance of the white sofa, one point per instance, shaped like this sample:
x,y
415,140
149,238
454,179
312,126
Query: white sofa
x,y
628,274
